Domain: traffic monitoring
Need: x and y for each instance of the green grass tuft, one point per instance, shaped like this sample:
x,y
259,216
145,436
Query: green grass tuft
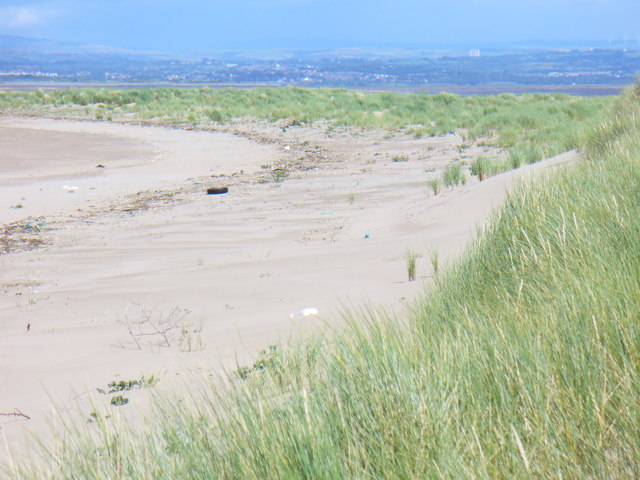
x,y
411,258
435,184
454,175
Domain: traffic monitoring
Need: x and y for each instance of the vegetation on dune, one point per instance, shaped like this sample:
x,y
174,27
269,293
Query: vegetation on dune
x,y
531,127
453,175
484,167
411,258
522,362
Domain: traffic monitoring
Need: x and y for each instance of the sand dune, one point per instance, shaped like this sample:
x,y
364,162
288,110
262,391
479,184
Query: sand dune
x,y
140,235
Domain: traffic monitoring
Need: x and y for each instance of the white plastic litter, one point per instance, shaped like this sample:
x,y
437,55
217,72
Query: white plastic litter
x,y
287,147
69,189
305,312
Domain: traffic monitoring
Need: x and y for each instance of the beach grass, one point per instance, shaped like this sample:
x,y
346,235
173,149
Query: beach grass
x,y
453,175
484,167
529,127
522,362
411,258
435,185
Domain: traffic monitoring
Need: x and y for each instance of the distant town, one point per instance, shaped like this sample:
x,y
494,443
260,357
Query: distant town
x,y
594,67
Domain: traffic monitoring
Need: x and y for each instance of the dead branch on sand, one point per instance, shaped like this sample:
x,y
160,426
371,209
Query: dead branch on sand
x,y
162,329
15,413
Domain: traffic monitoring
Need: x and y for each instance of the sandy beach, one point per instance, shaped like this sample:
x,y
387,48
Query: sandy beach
x,y
109,234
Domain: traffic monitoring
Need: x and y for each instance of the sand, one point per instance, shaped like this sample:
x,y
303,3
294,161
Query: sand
x,y
106,225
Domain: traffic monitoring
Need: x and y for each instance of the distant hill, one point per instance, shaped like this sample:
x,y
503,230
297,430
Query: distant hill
x,y
13,44
531,64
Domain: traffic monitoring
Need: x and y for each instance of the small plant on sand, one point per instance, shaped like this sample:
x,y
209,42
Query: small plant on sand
x,y
278,175
462,148
119,401
435,185
399,158
411,258
351,198
266,359
453,175
482,167
125,385
435,261
190,339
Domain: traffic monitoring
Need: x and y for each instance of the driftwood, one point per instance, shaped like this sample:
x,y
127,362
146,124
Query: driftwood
x,y
15,413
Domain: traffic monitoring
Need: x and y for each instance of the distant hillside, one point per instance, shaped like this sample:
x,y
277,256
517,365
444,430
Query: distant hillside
x,y
35,60
10,44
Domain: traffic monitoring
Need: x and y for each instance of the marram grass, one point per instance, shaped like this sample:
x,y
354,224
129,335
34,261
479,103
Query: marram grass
x,y
522,362
530,127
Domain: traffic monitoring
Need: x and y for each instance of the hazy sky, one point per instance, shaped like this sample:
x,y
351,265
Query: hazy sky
x,y
175,26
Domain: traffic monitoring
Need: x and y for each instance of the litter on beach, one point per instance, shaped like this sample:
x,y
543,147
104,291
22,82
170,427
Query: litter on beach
x,y
69,189
217,190
305,312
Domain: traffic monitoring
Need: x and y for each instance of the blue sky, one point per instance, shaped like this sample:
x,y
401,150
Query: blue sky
x,y
187,25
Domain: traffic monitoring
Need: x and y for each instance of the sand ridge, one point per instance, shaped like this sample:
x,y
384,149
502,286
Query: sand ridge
x,y
139,239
